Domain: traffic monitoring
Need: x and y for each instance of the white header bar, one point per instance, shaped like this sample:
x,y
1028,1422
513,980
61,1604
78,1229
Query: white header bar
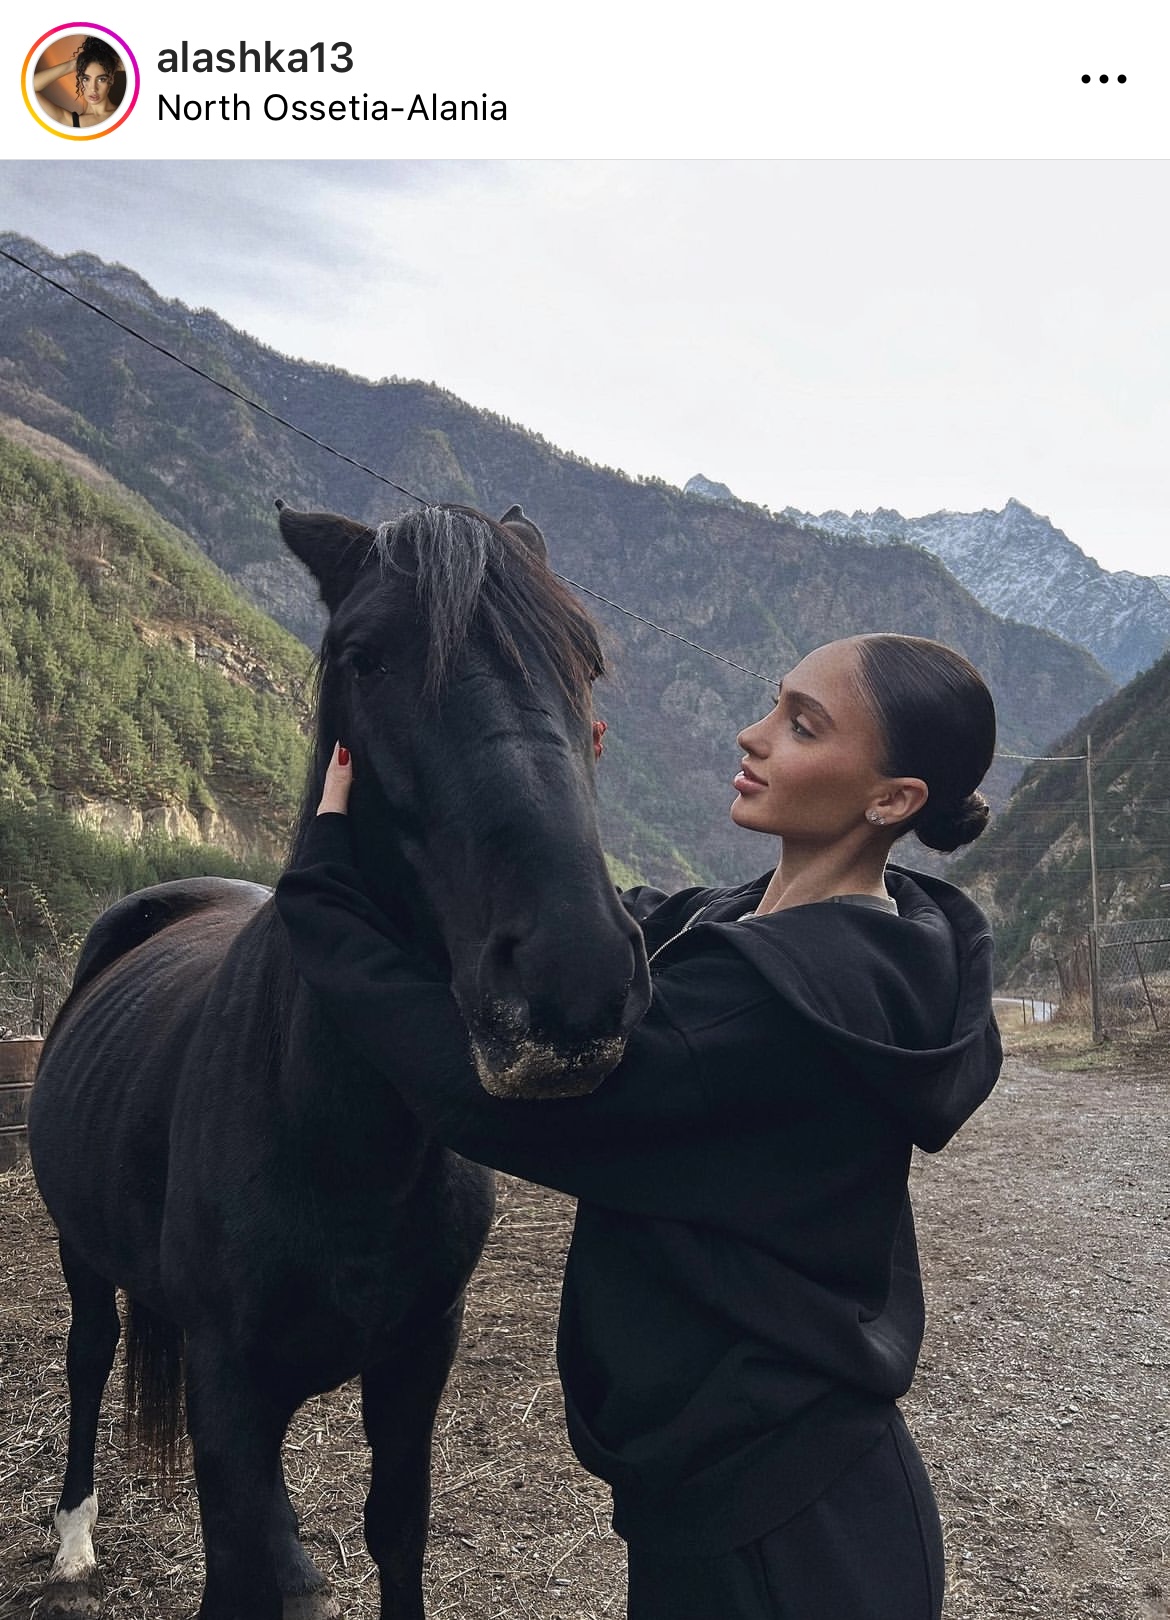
x,y
469,79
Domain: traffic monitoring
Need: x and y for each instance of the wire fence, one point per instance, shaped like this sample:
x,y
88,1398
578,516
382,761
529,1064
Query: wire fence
x,y
1132,969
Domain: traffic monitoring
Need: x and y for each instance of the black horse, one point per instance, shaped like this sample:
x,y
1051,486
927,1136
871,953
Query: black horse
x,y
206,1141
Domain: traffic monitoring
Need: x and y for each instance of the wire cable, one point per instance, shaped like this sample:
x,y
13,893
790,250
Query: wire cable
x,y
352,460
1048,758
227,388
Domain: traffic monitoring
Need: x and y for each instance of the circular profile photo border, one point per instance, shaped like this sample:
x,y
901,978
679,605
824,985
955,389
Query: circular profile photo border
x,y
129,61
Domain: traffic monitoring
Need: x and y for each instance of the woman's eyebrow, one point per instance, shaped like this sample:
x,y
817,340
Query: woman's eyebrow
x,y
801,700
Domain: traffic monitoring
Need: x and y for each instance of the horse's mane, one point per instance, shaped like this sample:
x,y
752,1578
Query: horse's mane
x,y
468,570
464,564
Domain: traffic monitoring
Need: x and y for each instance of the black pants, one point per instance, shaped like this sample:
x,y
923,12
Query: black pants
x,y
870,1548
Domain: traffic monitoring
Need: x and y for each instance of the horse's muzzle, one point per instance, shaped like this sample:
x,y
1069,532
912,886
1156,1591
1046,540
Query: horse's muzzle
x,y
549,1006
530,1039
528,1068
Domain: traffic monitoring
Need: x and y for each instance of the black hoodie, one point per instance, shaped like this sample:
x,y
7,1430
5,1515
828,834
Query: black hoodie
x,y
742,1303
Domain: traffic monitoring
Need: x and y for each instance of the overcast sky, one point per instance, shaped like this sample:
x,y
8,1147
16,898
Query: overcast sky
x,y
914,335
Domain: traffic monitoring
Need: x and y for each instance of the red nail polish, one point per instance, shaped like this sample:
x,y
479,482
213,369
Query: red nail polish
x,y
342,755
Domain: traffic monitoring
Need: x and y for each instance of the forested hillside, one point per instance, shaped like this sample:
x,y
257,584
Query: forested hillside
x,y
140,696
1031,869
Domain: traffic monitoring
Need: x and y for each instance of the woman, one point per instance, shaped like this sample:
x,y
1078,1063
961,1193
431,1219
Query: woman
x,y
742,1304
95,67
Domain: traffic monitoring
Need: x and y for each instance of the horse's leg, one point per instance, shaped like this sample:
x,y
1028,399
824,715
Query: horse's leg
x,y
304,1589
73,1589
399,1399
236,1427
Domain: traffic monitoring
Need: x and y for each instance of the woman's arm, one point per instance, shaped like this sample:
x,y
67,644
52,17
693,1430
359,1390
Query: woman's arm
x,y
406,1024
50,75
642,1142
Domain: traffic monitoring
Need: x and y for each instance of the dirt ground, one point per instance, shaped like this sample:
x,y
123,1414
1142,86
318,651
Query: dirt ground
x,y
1042,1403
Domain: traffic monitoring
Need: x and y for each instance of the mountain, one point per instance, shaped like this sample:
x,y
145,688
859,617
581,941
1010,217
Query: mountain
x,y
708,490
758,589
1031,869
1018,564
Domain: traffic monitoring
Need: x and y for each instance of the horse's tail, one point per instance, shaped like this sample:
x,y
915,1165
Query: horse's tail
x,y
154,1392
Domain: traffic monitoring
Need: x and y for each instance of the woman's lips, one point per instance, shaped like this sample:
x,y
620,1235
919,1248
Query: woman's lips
x,y
746,782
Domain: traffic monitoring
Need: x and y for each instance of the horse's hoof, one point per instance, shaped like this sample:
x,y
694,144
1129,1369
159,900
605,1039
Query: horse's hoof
x,y
71,1600
316,1605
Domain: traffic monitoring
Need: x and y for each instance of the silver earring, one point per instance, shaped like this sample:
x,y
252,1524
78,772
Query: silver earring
x,y
873,817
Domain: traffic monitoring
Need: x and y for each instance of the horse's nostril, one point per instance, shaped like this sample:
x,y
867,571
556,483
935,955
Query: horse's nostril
x,y
499,968
501,995
559,991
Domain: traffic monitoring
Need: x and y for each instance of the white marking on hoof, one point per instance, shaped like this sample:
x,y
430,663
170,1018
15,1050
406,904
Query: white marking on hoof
x,y
318,1605
75,1560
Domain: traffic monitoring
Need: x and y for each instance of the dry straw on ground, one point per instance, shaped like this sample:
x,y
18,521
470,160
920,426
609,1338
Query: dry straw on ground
x,y
1042,1403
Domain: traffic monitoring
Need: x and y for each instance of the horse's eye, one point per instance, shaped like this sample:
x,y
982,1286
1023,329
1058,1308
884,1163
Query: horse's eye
x,y
362,665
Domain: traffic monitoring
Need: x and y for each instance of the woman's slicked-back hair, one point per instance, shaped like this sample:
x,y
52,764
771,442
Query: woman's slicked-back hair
x,y
938,721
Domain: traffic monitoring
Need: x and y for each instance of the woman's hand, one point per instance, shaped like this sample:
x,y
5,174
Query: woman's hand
x,y
338,781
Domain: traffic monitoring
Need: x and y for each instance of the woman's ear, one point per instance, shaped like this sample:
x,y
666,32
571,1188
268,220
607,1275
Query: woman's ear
x,y
902,798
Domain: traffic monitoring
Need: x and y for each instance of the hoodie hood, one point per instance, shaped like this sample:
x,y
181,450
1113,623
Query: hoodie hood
x,y
905,998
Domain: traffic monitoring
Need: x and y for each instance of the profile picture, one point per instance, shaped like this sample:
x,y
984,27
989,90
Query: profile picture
x,y
80,81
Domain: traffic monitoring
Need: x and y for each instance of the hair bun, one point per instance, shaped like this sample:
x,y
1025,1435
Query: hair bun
x,y
950,826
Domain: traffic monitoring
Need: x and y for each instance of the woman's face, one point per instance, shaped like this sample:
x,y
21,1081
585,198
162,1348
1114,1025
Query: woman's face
x,y
95,85
812,768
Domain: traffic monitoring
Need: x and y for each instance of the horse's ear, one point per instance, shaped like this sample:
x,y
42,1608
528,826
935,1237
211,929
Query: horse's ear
x,y
331,548
525,531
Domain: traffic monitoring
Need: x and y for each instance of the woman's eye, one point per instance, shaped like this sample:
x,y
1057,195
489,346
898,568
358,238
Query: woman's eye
x,y
801,731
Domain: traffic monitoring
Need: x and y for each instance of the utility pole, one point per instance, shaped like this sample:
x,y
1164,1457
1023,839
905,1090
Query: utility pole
x,y
1094,961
